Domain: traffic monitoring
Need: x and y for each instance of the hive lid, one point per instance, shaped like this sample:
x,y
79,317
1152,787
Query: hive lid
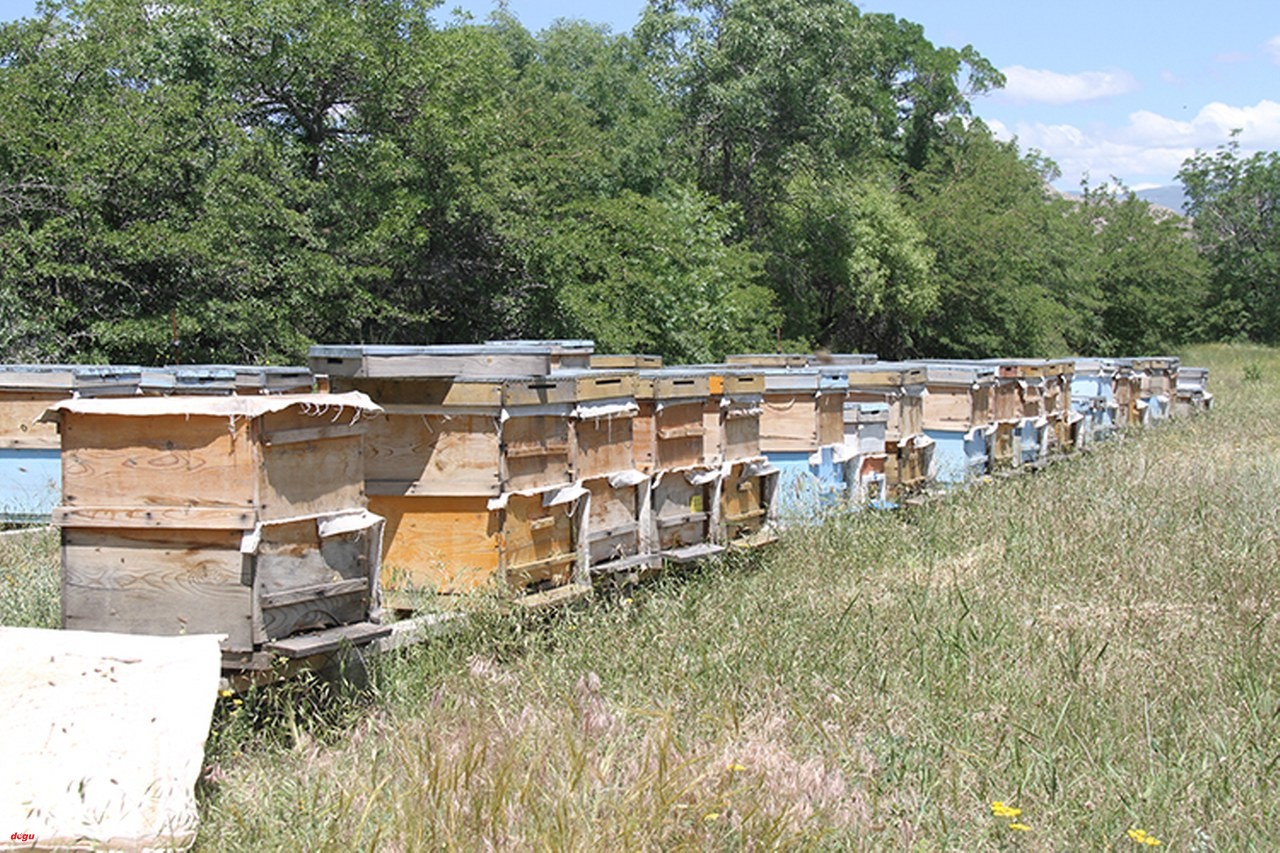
x,y
506,358
956,373
79,378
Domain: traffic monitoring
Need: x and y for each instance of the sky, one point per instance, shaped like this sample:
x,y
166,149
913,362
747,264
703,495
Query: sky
x,y
1106,88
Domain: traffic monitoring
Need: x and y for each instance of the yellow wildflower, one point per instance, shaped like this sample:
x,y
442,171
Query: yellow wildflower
x,y
736,768
226,694
710,816
999,809
1020,827
1141,836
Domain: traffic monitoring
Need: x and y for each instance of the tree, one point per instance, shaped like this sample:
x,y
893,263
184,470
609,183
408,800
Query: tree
x,y
1008,254
851,265
661,275
1151,277
1235,203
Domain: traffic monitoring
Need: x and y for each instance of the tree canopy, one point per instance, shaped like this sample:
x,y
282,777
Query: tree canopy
x,y
734,174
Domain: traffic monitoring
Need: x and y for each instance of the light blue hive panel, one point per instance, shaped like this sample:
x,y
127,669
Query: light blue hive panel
x,y
30,484
809,484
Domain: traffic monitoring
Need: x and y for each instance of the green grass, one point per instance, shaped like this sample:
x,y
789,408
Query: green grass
x,y
1097,645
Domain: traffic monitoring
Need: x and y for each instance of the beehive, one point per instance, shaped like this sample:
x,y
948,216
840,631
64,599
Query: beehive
x,y
957,414
670,446
1092,398
908,450
1126,385
242,516
865,428
30,460
745,503
474,472
802,435
603,430
1193,391
1159,383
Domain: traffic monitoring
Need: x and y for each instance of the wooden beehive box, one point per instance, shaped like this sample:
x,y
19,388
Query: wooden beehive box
x,y
1193,391
1127,391
235,515
460,468
957,418
802,409
30,459
562,354
908,451
196,379
603,425
670,446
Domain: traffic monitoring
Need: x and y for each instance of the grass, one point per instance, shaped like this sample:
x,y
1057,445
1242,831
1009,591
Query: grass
x,y
1096,645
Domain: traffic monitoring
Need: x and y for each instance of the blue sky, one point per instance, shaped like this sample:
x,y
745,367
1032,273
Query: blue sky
x,y
1125,88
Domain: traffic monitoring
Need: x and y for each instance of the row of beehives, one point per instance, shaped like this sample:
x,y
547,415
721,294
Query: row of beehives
x,y
532,464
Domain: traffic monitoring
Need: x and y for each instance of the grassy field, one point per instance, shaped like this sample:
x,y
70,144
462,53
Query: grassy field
x,y
1096,647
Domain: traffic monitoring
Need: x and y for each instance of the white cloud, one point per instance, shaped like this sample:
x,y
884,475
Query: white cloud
x,y
1150,147
1050,87
1273,47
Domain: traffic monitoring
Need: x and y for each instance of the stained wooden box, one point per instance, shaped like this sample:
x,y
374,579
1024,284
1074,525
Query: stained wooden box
x,y
236,515
625,361
603,427
901,386
802,409
514,541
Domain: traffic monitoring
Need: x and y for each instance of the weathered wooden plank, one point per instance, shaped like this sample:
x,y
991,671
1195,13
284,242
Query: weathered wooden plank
x,y
165,582
329,640
164,460
602,446
311,478
187,517
538,542
313,592
535,452
433,454
295,436
19,411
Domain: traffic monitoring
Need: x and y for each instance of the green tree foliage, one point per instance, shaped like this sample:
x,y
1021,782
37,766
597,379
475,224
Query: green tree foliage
x,y
1149,274
264,175
851,265
1235,203
1007,248
645,274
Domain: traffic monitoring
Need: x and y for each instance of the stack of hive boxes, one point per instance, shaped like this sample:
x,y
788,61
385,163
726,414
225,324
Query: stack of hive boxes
x,y
908,451
958,419
748,481
1092,398
234,515
671,447
1193,391
1159,383
1126,386
1064,421
472,461
802,433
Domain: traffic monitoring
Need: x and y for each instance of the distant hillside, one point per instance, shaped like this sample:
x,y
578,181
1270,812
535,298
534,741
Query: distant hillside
x,y
1171,197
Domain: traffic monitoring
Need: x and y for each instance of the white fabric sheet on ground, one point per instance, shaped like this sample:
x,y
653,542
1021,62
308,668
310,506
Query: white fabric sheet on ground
x,y
103,737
